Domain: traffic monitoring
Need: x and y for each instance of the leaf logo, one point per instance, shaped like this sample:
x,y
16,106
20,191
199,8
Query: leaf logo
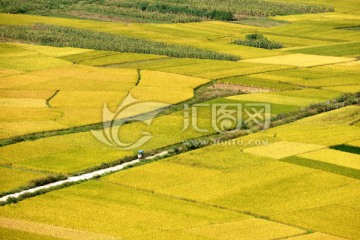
x,y
132,110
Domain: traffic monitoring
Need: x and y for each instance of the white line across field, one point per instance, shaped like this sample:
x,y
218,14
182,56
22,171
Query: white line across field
x,y
83,177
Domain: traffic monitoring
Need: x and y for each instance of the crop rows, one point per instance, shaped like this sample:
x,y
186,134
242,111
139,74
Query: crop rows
x,y
155,10
59,36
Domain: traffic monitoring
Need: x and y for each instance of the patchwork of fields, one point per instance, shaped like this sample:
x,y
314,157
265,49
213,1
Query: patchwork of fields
x,y
296,180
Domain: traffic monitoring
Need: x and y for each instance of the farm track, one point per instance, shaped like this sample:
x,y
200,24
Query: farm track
x,y
75,179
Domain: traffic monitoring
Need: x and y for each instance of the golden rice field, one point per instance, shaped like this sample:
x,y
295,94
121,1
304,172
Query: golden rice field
x,y
301,60
285,182
276,98
283,149
13,178
117,58
344,159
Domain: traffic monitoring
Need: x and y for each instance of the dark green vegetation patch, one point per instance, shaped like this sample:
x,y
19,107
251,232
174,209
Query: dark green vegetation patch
x,y
156,10
347,148
257,40
327,167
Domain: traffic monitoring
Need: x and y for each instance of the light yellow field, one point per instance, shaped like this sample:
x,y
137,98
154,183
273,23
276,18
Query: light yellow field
x,y
162,95
301,60
282,149
261,229
12,178
22,103
28,114
316,236
6,233
275,98
17,128
355,143
117,58
51,51
148,211
165,88
343,116
345,89
244,189
87,99
169,80
340,158
42,94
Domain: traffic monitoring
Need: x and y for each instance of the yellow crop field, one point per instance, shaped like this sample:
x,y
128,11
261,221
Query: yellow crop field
x,y
124,201
340,158
313,77
343,116
162,94
162,79
28,114
318,217
51,51
119,58
32,63
311,93
26,94
13,178
355,143
282,149
301,60
22,103
33,230
318,134
261,229
16,127
275,98
297,180
316,236
345,89
8,72
18,234
88,99
172,174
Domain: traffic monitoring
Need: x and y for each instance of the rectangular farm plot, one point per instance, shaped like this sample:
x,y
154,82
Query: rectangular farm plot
x,y
301,60
337,218
247,229
160,175
345,89
275,98
163,79
22,103
342,49
51,51
340,158
116,210
12,178
283,149
316,236
117,58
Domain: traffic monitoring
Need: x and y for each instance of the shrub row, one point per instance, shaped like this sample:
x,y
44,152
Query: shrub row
x,y
257,40
181,11
59,36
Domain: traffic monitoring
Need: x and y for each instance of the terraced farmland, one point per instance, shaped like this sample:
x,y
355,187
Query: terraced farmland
x,y
255,143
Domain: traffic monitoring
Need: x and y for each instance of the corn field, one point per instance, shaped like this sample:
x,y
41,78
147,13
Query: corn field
x,y
160,11
59,36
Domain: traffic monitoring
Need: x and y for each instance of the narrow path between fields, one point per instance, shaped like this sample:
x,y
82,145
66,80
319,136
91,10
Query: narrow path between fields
x,y
80,178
